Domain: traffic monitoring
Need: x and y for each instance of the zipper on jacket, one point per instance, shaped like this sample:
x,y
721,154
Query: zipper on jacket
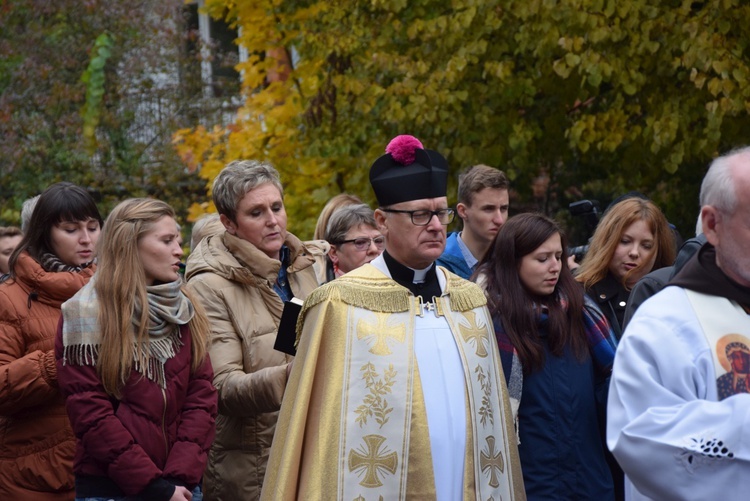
x,y
163,423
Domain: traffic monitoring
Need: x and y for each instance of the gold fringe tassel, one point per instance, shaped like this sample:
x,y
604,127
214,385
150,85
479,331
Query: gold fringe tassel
x,y
464,295
386,296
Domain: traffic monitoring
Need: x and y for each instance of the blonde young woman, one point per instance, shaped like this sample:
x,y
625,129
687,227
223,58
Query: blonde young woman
x,y
632,239
132,361
52,262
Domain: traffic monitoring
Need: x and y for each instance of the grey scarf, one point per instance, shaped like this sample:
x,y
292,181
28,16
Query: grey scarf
x,y
168,308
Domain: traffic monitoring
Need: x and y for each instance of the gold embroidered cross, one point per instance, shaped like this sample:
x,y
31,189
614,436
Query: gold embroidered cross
x,y
373,460
491,461
474,333
381,331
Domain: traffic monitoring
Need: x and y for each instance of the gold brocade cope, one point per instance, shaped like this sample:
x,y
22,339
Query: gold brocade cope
x,y
353,423
491,421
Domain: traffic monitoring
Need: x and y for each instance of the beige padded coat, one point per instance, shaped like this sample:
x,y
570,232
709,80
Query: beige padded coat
x,y
234,281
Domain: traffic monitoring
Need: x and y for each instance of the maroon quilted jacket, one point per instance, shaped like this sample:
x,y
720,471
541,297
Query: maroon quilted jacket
x,y
149,440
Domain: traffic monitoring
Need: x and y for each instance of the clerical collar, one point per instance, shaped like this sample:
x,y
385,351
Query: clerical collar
x,y
420,282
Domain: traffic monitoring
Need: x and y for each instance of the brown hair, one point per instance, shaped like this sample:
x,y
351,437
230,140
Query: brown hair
x,y
476,178
10,231
61,201
517,308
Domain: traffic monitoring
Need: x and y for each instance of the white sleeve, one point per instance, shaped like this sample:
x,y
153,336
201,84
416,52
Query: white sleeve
x,y
669,433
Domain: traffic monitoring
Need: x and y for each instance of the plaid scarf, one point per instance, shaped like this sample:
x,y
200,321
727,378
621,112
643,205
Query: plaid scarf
x,y
599,335
168,308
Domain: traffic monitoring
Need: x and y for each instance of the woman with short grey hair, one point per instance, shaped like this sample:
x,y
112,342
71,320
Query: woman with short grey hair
x,y
243,276
237,179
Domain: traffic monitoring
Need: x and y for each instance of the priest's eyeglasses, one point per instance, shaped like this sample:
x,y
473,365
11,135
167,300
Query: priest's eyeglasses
x,y
424,216
363,243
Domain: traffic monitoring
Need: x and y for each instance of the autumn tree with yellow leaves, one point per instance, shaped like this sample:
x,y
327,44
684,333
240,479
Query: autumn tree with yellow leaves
x,y
572,98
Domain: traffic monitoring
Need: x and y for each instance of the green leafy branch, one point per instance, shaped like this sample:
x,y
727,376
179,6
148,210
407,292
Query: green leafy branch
x,y
94,78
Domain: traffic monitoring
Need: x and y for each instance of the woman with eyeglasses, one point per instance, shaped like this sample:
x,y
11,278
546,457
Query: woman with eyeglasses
x,y
354,238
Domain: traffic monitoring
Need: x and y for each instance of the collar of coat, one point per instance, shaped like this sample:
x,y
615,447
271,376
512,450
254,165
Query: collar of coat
x,y
259,264
48,287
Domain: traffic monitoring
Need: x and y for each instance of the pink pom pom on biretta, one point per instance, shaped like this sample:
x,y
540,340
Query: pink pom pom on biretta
x,y
402,148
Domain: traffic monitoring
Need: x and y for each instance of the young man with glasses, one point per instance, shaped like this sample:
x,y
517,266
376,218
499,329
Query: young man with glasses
x,y
397,391
483,208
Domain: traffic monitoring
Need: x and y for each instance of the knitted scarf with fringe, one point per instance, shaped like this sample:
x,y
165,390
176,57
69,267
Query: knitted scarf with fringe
x,y
168,308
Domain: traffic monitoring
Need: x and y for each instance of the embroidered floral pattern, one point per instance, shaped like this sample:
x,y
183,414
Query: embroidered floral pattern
x,y
375,405
485,410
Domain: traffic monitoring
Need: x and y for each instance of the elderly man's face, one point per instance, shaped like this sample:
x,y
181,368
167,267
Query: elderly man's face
x,y
730,233
411,245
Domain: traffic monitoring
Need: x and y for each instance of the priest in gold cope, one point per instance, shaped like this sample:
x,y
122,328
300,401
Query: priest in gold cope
x,y
397,391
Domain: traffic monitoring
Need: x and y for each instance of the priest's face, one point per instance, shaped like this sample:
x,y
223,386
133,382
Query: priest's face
x,y
410,244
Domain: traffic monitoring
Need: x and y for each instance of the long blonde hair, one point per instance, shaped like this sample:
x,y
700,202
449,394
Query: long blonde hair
x,y
609,231
120,281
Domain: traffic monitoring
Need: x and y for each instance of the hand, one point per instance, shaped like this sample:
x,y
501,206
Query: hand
x,y
181,494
